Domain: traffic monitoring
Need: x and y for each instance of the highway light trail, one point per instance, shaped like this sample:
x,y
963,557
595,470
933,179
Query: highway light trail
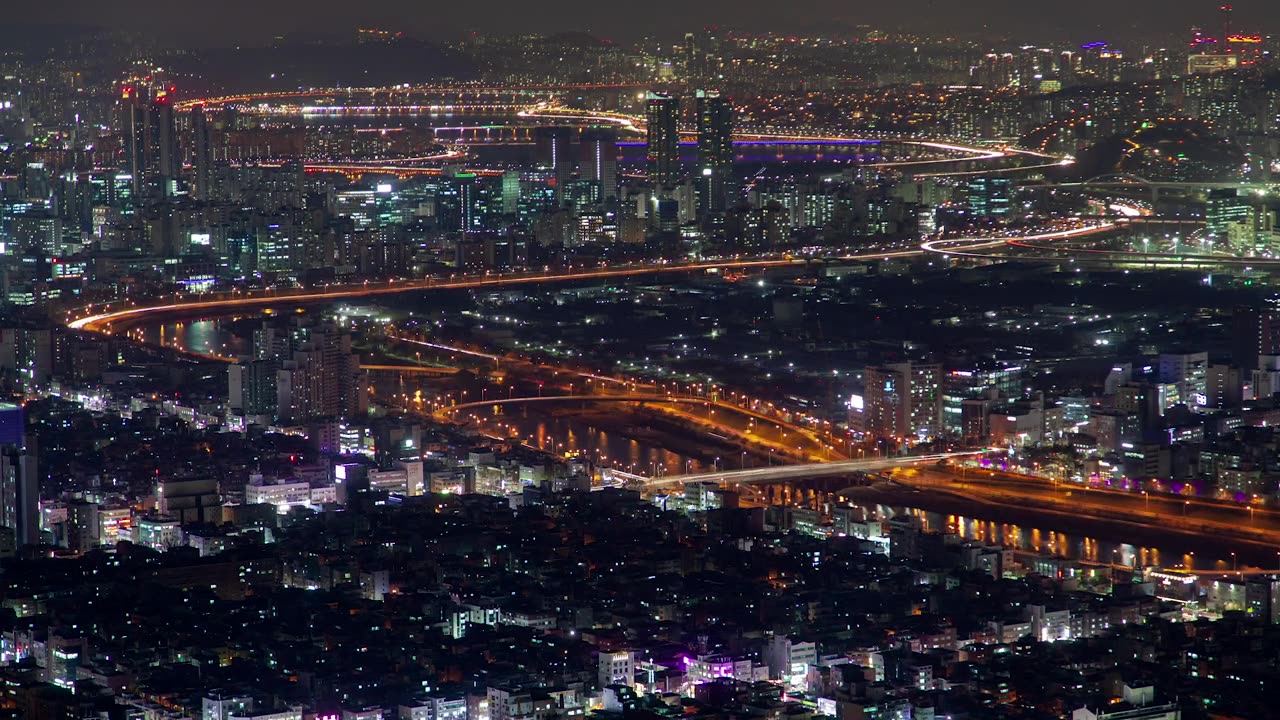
x,y
803,471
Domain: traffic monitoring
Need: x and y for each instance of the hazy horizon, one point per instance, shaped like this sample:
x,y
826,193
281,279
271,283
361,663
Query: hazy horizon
x,y
236,21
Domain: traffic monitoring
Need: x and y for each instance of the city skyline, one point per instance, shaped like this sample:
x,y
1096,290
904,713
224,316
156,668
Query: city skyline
x,y
199,25
897,367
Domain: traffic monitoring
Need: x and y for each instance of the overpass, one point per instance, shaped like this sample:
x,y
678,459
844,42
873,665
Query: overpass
x,y
984,247
537,89
988,248
782,473
412,369
652,399
1136,183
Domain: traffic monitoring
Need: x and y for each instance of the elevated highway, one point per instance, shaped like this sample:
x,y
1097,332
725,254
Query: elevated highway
x,y
817,447
782,473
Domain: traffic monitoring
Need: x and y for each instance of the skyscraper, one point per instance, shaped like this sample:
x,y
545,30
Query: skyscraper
x,y
133,128
715,151
599,161
662,113
164,137
150,136
554,152
201,154
19,488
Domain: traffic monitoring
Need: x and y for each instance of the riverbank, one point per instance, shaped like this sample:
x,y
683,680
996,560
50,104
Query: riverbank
x,y
1207,548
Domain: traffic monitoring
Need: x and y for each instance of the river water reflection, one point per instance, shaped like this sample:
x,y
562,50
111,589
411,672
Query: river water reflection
x,y
1048,540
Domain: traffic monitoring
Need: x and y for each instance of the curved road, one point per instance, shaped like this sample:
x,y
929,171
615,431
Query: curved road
x,y
103,318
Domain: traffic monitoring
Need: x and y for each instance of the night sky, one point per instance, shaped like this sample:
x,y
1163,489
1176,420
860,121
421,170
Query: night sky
x,y
218,22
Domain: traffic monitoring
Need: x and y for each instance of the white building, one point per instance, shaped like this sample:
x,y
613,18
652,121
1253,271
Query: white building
x,y
789,660
375,584
436,707
710,667
283,495
159,533
617,668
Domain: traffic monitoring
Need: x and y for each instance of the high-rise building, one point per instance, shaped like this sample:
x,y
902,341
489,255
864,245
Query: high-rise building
x,y
904,400
990,197
1254,332
26,355
12,424
201,155
599,162
322,377
150,135
164,138
662,114
19,494
511,193
554,153
714,173
133,128
992,382
83,525
1223,208
306,372
1190,372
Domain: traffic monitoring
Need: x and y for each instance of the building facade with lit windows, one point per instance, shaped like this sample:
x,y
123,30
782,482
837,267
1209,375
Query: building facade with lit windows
x,y
904,400
662,154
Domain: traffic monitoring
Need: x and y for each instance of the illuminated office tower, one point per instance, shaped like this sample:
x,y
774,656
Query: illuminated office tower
x,y
554,152
990,197
715,152
599,162
662,155
133,128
